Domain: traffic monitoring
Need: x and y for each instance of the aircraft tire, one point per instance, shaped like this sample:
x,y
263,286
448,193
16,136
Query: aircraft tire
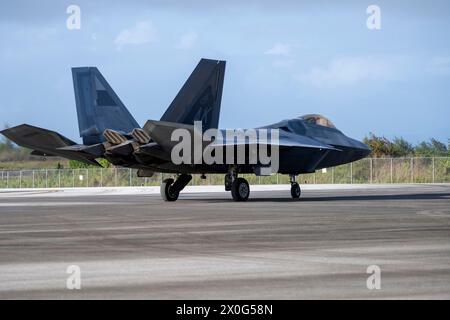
x,y
295,190
240,190
166,193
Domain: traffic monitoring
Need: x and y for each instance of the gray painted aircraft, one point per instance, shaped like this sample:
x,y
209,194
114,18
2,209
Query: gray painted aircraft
x,y
109,131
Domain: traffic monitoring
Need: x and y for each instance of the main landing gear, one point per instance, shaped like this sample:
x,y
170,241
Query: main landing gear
x,y
295,188
239,187
170,190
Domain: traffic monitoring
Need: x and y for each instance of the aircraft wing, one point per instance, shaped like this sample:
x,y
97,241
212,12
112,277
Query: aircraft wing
x,y
290,141
47,143
161,131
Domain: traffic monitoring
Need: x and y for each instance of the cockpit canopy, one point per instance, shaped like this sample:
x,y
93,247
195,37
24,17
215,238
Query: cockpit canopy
x,y
317,119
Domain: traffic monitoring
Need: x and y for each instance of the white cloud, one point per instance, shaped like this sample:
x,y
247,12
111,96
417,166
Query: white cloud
x,y
142,32
187,41
279,49
347,71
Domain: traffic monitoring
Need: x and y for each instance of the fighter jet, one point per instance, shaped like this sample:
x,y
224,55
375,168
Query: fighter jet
x,y
108,130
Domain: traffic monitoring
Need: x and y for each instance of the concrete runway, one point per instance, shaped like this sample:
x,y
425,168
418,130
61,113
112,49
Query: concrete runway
x,y
205,246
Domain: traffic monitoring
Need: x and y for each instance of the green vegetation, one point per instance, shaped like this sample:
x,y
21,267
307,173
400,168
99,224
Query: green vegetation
x,y
399,147
74,164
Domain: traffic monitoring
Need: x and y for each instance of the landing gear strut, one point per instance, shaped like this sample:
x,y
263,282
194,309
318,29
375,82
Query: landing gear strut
x,y
170,190
239,187
295,188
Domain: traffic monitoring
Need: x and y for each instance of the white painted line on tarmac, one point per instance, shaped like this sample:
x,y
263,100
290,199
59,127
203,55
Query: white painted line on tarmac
x,y
96,191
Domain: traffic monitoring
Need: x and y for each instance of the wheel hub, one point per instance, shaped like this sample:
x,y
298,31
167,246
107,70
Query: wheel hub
x,y
243,190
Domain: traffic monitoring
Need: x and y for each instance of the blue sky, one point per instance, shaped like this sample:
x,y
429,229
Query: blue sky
x,y
284,59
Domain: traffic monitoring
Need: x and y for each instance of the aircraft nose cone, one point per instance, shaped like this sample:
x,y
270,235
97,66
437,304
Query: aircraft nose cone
x,y
363,151
366,152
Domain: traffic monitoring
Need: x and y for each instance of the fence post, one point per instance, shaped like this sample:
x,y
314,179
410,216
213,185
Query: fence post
x,y
351,172
392,178
59,178
129,172
433,168
101,177
412,170
115,177
73,178
332,175
20,179
7,179
33,179
371,170
46,178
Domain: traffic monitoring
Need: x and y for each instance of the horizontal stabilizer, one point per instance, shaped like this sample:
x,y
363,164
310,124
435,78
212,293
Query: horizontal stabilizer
x,y
37,138
46,142
41,154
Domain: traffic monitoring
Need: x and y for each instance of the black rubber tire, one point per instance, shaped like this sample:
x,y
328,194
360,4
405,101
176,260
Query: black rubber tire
x,y
295,190
166,193
240,190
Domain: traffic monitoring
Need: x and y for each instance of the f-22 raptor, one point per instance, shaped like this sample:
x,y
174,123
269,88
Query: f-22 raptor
x,y
109,131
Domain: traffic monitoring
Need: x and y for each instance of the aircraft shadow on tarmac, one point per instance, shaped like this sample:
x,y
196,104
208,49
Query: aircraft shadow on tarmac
x,y
384,197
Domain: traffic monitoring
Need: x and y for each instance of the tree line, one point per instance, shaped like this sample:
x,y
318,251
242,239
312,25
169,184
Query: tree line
x,y
399,147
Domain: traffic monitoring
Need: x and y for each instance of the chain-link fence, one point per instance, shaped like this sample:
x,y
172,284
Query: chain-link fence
x,y
369,170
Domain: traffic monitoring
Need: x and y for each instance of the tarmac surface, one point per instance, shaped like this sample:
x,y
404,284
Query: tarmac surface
x,y
205,246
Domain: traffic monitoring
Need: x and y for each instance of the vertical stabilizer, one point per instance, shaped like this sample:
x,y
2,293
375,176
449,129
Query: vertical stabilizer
x,y
98,106
200,97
